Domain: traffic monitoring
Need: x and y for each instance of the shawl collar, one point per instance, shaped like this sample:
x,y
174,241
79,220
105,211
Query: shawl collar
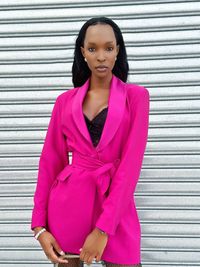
x,y
116,107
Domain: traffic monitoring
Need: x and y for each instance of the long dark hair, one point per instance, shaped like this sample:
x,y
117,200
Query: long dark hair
x,y
80,69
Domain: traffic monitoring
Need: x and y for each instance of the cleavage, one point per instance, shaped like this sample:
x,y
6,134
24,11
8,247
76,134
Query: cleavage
x,y
96,116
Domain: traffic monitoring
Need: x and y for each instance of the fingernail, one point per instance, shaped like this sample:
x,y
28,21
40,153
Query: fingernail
x,y
80,249
62,253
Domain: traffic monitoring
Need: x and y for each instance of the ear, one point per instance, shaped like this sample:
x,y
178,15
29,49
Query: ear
x,y
83,51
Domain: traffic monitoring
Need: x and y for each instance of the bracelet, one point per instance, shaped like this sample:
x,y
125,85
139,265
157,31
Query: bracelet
x,y
39,233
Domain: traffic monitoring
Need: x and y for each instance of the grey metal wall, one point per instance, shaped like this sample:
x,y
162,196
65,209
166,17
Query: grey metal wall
x,y
36,50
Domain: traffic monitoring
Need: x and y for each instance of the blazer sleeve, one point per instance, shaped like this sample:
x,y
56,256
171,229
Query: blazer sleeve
x,y
125,179
53,158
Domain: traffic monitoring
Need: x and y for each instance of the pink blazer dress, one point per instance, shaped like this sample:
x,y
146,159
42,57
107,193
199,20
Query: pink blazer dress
x,y
97,188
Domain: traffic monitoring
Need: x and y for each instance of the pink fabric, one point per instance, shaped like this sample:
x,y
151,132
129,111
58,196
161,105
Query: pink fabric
x,y
97,188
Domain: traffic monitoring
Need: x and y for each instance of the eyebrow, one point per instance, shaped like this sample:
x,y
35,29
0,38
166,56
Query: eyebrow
x,y
106,42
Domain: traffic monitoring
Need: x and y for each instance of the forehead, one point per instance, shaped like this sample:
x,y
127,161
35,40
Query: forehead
x,y
100,34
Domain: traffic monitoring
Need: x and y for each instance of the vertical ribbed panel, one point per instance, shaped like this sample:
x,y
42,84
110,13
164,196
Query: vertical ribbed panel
x,y
36,53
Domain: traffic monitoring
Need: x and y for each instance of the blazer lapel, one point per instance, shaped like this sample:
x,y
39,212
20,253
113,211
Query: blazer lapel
x,y
116,107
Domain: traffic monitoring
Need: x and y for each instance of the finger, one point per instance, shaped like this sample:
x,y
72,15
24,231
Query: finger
x,y
61,260
87,259
90,260
58,248
82,255
80,251
50,257
53,257
98,258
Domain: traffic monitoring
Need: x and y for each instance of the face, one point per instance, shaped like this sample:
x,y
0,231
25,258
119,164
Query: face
x,y
100,48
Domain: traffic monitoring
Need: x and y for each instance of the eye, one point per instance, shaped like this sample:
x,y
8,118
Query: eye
x,y
90,48
110,48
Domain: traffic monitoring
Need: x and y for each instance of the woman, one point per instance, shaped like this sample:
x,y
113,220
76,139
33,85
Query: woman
x,y
87,208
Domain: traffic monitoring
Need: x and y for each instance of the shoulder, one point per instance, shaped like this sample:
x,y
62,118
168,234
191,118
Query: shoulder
x,y
135,92
63,99
65,96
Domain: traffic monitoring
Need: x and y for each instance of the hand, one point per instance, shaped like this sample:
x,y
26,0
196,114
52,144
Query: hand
x,y
51,248
93,246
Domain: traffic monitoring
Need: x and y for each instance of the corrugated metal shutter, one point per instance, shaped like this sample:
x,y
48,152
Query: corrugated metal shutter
x,y
162,39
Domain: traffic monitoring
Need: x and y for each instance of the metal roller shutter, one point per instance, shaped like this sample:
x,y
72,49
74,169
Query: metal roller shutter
x,y
36,52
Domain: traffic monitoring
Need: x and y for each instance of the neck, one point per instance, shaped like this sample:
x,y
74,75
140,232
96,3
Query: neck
x,y
97,83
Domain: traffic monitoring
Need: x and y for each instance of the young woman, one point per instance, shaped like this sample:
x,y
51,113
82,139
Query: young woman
x,y
87,208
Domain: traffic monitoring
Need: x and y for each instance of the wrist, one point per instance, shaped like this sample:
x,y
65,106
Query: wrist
x,y
38,232
37,229
101,231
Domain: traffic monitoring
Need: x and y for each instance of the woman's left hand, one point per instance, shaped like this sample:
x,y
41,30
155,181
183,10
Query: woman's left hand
x,y
93,246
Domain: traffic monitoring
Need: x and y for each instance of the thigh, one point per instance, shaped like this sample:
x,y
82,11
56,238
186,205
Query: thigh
x,y
72,262
110,264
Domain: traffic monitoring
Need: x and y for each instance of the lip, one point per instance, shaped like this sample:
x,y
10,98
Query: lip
x,y
101,67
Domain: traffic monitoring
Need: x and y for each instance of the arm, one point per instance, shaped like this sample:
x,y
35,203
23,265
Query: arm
x,y
53,159
127,174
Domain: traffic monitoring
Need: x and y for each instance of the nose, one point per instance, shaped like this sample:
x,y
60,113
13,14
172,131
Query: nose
x,y
101,57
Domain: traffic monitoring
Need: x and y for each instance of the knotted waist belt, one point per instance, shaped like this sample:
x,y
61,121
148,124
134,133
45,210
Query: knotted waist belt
x,y
101,171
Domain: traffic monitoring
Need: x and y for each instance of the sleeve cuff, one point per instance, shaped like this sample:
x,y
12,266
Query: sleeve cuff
x,y
38,220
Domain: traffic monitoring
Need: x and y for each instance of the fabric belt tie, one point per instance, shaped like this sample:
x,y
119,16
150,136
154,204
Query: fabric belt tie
x,y
101,171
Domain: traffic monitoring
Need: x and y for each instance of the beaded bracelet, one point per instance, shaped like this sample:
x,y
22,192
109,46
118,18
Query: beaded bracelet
x,y
39,233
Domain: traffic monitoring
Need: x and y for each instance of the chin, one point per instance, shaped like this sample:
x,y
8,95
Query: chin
x,y
101,74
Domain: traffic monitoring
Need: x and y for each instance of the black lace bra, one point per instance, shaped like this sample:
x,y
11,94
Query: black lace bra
x,y
95,126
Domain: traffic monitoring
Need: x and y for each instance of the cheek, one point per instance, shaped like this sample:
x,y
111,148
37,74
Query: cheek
x,y
90,59
112,61
112,57
90,64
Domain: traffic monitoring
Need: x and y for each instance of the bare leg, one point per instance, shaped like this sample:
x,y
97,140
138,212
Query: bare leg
x,y
72,262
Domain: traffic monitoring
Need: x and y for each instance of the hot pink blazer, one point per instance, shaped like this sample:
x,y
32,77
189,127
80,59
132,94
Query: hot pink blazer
x,y
97,188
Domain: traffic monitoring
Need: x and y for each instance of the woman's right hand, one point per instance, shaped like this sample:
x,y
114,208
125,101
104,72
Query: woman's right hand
x,y
51,247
